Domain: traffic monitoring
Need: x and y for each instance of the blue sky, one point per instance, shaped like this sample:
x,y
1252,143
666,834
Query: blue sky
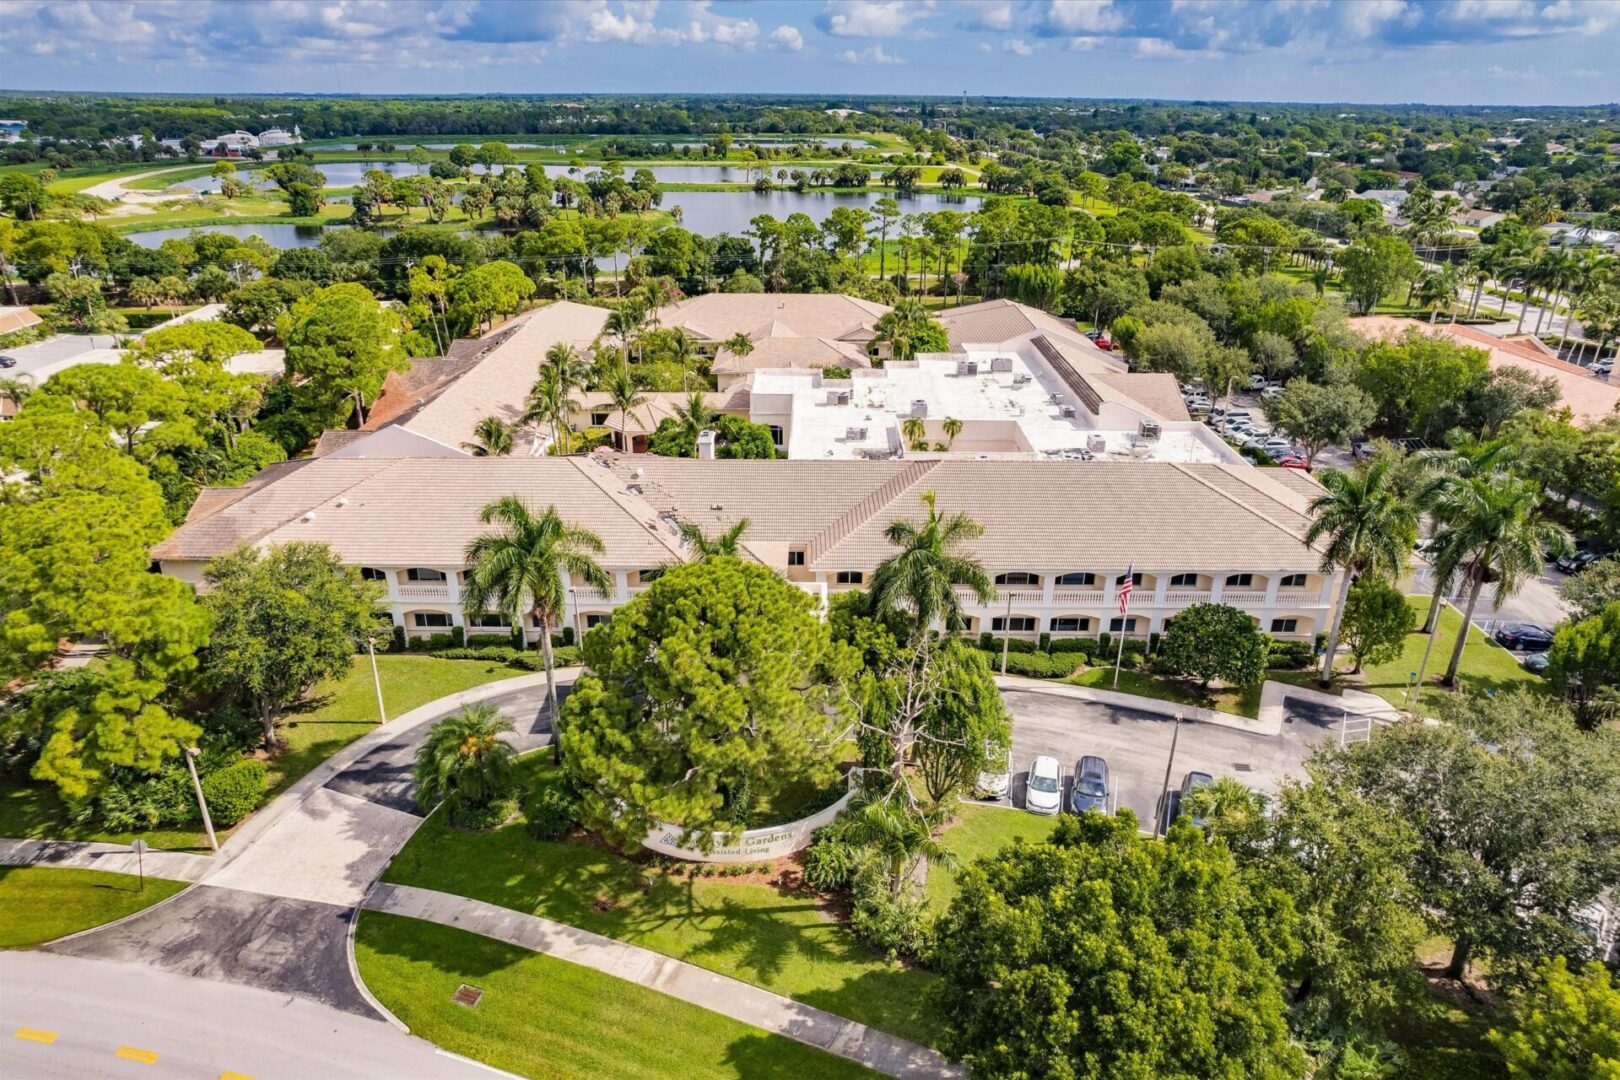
x,y
1438,51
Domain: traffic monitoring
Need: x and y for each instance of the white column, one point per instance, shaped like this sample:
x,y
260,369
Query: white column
x,y
1217,582
621,586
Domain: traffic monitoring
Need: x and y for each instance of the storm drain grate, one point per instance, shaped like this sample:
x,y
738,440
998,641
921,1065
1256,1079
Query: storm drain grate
x,y
1243,766
466,995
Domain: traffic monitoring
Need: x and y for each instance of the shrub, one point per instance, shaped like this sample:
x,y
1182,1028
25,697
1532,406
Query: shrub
x,y
1289,654
552,812
486,641
458,636
1037,665
399,638
1075,645
480,818
894,924
1045,643
568,636
234,792
830,863
1105,642
1017,645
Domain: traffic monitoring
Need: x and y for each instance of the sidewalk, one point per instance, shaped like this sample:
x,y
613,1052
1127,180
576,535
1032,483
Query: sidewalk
x,y
112,858
874,1049
1262,726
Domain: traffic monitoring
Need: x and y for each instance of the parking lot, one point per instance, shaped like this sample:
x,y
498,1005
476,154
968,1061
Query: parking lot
x,y
1136,745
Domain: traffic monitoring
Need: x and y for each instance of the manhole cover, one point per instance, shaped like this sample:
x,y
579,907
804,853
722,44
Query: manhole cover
x,y
467,995
1243,766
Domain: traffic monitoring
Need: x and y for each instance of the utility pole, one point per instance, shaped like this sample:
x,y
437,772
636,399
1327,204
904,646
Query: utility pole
x,y
376,680
1006,634
1161,820
191,753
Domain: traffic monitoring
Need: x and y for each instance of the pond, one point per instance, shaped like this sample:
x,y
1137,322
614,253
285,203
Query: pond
x,y
704,212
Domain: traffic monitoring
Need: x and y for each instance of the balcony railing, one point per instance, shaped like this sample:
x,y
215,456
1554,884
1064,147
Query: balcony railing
x,y
424,591
1243,597
1019,596
1077,596
1186,596
586,594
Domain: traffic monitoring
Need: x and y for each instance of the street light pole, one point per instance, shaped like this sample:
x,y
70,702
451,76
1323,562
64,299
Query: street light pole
x,y
191,753
1006,634
376,680
1164,791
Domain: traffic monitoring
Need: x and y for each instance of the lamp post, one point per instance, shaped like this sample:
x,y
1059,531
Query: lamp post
x,y
191,753
376,680
1162,818
1006,634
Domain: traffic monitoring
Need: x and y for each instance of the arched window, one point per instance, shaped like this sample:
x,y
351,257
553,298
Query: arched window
x,y
1018,577
1081,578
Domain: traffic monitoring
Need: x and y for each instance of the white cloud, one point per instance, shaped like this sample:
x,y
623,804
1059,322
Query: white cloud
x,y
984,14
872,18
1020,47
872,54
1063,17
787,38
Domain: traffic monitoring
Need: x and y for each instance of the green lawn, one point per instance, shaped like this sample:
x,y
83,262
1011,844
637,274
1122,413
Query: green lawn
x,y
1485,665
784,941
1240,701
334,715
976,832
44,903
541,1016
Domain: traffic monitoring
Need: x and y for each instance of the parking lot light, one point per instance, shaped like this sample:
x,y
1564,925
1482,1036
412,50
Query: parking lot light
x,y
1159,822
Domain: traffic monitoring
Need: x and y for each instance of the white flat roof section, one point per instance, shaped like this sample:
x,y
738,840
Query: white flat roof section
x,y
1011,403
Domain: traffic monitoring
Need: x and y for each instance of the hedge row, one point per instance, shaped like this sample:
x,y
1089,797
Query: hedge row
x,y
526,659
1036,665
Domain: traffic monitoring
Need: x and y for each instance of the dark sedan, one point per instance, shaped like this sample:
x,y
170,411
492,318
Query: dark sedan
x,y
1575,562
1524,637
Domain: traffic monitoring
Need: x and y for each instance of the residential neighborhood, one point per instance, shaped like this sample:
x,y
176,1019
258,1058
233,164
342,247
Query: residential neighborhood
x,y
672,540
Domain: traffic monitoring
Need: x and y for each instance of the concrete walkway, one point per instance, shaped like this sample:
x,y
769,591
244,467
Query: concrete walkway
x,y
741,1001
112,858
1144,704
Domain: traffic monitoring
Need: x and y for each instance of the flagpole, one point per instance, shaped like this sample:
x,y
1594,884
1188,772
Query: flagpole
x,y
1120,658
1124,605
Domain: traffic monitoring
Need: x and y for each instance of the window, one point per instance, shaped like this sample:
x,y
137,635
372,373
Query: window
x,y
1184,581
417,573
848,577
490,619
795,558
1285,626
371,573
1239,581
1084,578
1019,624
1018,577
427,620
1292,581
651,575
599,419
594,620
1136,579
776,434
1070,624
1117,625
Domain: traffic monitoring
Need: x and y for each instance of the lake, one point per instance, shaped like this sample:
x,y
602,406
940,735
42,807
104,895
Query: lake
x,y
704,212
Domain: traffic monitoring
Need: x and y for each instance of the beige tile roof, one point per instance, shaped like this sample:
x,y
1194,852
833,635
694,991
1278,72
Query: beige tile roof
x,y
1094,515
792,352
1590,399
498,383
993,321
717,316
1155,392
410,511
17,318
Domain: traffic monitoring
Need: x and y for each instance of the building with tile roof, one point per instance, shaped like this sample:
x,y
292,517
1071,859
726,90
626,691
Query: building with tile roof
x,y
1588,398
1058,535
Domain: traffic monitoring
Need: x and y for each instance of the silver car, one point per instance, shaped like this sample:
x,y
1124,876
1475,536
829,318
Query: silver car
x,y
994,782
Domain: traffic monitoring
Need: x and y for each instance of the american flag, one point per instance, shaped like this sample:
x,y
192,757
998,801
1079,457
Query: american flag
x,y
1125,590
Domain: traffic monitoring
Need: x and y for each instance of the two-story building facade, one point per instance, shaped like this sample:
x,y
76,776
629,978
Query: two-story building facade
x,y
1058,535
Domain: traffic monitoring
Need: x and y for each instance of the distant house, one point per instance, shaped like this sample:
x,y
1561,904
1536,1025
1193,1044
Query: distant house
x,y
1479,219
277,137
12,130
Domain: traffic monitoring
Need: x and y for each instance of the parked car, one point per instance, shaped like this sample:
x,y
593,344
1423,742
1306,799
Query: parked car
x,y
1198,405
1044,793
1270,392
1536,662
1258,382
1091,786
1604,368
8,361
994,783
1277,447
1238,414
1526,637
1293,462
1173,799
1102,342
1577,561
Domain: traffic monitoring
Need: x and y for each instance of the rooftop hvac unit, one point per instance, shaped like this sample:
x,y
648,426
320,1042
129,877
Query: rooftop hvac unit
x,y
1149,430
919,407
967,367
1096,444
1067,412
705,445
1021,379
854,434
838,397
1001,363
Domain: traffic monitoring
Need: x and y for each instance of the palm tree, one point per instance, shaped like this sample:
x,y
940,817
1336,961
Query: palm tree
x,y
721,545
694,416
1561,272
626,397
915,431
1368,529
625,323
464,762
1437,289
901,838
900,327
16,389
922,576
550,402
738,344
492,437
571,368
682,349
1444,469
952,428
1493,530
524,561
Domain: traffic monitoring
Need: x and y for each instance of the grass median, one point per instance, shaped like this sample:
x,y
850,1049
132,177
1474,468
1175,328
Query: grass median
x,y
44,903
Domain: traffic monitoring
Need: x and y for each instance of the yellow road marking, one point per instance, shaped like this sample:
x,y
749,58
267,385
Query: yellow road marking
x,y
35,1035
233,1076
132,1053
